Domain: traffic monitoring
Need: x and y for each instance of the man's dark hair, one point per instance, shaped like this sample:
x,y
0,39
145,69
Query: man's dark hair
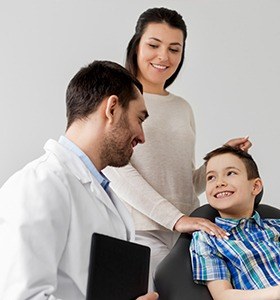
x,y
93,83
154,15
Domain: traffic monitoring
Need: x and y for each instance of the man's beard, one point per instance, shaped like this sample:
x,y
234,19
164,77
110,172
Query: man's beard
x,y
116,150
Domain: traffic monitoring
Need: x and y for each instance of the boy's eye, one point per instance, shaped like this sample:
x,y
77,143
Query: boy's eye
x,y
231,173
210,177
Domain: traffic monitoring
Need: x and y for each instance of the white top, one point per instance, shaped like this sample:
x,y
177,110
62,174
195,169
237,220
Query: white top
x,y
161,183
48,212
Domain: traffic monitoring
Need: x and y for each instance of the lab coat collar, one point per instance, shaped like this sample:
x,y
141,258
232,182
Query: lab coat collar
x,y
74,164
70,160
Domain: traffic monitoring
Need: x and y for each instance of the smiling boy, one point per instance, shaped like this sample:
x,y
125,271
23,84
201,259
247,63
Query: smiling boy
x,y
246,264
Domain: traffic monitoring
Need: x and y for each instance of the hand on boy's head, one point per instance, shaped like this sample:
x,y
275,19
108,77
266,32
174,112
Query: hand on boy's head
x,y
149,296
191,224
241,143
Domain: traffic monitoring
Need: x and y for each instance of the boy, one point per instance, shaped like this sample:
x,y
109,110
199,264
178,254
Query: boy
x,y
245,265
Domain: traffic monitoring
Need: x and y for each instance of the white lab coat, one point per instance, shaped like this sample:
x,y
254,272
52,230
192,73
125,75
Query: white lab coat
x,y
48,212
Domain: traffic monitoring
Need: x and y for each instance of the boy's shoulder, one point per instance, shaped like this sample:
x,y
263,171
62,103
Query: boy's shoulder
x,y
201,237
272,221
272,224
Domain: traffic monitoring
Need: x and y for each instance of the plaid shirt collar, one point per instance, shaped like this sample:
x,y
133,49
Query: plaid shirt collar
x,y
228,224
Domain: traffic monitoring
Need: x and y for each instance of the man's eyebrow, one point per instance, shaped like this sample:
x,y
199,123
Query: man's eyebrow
x,y
173,44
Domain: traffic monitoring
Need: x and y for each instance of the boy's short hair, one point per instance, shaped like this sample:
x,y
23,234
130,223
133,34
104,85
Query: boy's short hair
x,y
250,164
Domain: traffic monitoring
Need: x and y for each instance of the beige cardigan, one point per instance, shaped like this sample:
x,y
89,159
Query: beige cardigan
x,y
161,183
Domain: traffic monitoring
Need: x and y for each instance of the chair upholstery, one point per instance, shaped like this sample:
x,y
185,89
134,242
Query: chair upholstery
x,y
173,277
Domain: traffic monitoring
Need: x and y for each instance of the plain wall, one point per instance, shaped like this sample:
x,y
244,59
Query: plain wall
x,y
231,75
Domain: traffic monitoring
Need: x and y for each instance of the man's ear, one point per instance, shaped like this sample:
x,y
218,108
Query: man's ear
x,y
111,107
257,187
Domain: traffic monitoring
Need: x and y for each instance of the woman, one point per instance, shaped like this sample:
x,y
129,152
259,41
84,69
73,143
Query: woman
x,y
160,186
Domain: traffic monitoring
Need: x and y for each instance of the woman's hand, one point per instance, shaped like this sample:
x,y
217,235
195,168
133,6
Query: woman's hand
x,y
191,224
149,296
241,143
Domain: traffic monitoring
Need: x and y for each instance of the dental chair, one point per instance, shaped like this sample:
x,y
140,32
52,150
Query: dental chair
x,y
173,277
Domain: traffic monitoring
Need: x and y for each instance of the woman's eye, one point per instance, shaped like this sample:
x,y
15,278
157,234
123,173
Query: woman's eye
x,y
153,46
174,50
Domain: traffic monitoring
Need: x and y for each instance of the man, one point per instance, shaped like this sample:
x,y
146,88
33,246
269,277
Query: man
x,y
50,208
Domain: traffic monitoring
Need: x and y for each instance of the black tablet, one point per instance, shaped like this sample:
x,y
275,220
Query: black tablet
x,y
118,269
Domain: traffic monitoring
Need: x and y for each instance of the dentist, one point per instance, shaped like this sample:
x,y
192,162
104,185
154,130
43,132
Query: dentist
x,y
50,208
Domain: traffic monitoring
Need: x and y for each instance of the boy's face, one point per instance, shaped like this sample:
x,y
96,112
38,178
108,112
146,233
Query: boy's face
x,y
227,188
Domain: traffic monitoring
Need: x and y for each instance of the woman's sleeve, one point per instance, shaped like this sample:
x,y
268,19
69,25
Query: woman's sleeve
x,y
132,188
199,180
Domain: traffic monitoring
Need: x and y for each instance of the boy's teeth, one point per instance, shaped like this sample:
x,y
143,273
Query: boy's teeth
x,y
223,194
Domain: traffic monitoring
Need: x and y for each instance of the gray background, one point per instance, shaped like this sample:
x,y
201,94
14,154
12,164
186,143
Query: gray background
x,y
231,75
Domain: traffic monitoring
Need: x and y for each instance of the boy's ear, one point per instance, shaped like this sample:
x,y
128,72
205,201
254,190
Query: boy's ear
x,y
257,187
111,106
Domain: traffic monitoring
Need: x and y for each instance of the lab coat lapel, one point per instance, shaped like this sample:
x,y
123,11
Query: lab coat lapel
x,y
124,213
79,170
102,196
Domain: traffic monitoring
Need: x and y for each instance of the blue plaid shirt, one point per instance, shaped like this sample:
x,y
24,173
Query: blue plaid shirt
x,y
249,259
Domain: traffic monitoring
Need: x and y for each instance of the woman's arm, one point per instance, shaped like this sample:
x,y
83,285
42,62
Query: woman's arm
x,y
131,187
199,180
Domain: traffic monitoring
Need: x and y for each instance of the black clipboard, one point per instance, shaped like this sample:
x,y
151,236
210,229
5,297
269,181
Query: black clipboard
x,y
118,269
